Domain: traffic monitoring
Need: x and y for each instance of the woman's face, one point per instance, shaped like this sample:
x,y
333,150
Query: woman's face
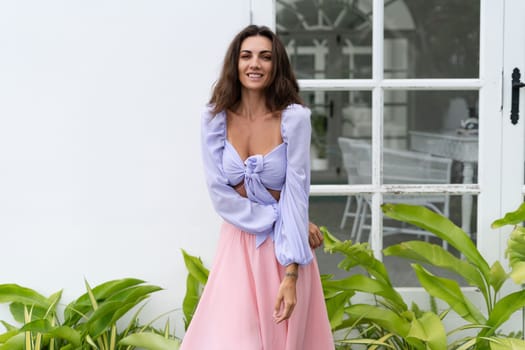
x,y
255,63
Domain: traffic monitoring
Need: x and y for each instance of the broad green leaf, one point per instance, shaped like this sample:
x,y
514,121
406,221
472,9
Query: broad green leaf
x,y
518,272
195,267
358,254
116,306
8,335
450,292
512,218
17,310
498,276
506,344
366,284
502,310
15,343
191,299
441,227
389,320
435,255
430,330
150,341
45,327
82,305
515,252
335,307
10,293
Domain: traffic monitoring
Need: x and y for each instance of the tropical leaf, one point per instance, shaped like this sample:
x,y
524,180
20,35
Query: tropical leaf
x,y
429,329
17,342
195,267
191,299
150,341
498,276
506,344
450,292
512,218
515,252
81,306
441,227
387,319
335,307
435,255
366,284
502,311
45,327
195,281
13,293
358,254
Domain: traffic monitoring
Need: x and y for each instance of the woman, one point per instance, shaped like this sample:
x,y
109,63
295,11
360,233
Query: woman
x,y
264,290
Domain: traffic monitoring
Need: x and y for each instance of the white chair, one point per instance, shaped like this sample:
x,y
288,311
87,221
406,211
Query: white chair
x,y
399,167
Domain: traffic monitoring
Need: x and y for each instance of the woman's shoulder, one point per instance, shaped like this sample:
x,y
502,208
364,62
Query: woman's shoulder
x,y
295,115
295,121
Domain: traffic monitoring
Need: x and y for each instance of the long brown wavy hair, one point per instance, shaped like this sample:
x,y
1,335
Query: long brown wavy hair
x,y
283,88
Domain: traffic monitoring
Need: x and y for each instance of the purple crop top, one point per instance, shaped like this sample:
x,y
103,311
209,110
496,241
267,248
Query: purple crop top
x,y
285,168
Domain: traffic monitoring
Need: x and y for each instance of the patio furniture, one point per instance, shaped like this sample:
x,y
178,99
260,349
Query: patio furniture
x,y
399,167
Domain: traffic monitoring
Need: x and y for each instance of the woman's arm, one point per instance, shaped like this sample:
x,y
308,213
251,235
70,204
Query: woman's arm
x,y
243,213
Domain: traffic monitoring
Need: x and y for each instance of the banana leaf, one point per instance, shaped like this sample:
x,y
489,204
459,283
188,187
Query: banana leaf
x,y
502,311
366,284
387,319
512,218
430,330
450,292
441,227
358,254
435,255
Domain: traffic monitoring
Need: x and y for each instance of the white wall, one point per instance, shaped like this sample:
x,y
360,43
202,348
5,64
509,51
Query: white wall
x,y
100,172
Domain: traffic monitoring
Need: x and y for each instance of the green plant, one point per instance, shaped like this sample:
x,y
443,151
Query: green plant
x,y
197,278
88,322
474,270
385,320
319,130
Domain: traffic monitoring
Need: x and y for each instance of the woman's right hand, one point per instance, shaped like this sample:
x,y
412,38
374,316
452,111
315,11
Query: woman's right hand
x,y
241,189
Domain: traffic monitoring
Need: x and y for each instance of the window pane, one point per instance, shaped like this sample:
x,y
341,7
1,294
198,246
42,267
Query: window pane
x,y
431,39
327,39
336,114
430,137
348,218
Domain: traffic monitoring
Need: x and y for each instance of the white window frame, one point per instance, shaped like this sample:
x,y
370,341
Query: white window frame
x,y
490,101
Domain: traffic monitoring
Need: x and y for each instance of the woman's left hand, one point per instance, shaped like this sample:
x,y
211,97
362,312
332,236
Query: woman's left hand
x,y
315,237
286,297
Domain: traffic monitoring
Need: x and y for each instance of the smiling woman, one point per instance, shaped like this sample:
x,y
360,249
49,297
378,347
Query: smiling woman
x,y
264,289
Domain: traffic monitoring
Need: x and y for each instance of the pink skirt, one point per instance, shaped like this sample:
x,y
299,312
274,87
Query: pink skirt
x,y
236,307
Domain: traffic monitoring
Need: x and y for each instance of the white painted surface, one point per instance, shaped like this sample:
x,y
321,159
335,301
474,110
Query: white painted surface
x,y
100,171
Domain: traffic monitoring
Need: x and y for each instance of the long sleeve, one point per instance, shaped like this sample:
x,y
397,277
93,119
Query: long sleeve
x,y
245,214
291,228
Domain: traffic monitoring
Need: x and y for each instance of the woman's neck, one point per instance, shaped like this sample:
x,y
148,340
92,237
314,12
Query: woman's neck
x,y
252,105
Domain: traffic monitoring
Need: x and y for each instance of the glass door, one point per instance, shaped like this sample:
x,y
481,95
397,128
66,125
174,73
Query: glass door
x,y
419,92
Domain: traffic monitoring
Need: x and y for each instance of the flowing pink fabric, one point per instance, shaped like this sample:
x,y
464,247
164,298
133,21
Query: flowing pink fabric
x,y
236,307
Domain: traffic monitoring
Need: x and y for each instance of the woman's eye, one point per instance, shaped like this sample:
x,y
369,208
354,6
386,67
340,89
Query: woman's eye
x,y
267,58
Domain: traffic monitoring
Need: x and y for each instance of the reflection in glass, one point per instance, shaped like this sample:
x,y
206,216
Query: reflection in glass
x,y
443,43
336,114
327,39
329,212
422,39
